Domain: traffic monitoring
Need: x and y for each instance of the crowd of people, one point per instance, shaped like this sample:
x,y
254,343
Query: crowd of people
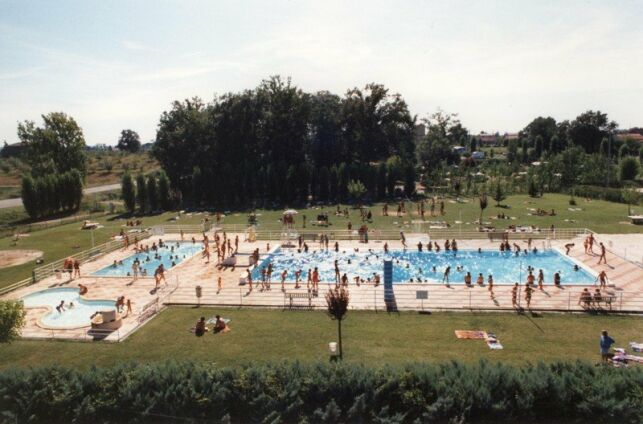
x,y
225,247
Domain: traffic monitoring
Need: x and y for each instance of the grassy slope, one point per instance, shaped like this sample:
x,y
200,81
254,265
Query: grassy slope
x,y
375,339
97,170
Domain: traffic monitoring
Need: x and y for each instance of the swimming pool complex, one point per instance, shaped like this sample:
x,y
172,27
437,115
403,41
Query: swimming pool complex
x,y
78,316
505,267
171,254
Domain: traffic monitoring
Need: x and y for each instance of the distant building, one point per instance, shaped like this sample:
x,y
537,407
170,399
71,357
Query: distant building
x,y
477,155
146,147
12,150
629,136
488,139
491,140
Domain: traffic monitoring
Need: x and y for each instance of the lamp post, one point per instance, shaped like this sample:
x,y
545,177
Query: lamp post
x,y
609,156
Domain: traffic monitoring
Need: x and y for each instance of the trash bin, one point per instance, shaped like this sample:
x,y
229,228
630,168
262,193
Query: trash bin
x,y
199,292
334,354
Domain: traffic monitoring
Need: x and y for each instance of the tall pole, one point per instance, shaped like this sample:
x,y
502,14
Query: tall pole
x,y
609,156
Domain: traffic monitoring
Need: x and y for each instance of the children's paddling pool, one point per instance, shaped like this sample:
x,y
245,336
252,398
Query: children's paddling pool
x,y
505,267
76,316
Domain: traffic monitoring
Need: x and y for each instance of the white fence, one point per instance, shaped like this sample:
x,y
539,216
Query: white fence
x,y
49,269
10,230
434,234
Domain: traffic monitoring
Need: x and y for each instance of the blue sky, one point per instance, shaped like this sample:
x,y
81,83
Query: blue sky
x,y
117,64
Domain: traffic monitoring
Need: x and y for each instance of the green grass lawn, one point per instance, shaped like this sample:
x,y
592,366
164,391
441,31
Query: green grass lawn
x,y
597,215
370,338
64,240
9,192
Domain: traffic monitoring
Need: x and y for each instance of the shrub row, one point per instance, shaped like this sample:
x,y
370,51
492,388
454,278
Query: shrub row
x,y
52,193
292,392
603,193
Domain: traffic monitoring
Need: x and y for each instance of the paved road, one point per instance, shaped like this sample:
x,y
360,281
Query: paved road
x,y
12,203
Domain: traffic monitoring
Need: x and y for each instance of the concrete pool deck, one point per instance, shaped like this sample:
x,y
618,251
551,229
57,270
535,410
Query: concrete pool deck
x,y
626,287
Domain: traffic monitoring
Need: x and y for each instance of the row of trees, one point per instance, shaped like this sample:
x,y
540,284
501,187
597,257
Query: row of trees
x,y
55,153
50,194
147,194
279,143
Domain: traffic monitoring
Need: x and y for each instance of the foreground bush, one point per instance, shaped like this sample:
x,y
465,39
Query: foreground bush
x,y
291,392
12,319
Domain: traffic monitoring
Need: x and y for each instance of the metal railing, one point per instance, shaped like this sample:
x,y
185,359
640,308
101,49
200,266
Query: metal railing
x,y
177,228
50,269
405,298
435,234
479,298
15,286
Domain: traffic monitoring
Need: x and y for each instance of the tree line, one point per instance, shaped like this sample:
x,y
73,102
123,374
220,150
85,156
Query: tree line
x,y
56,155
51,194
146,193
277,143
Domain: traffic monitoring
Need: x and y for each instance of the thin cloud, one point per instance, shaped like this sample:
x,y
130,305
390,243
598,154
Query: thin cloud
x,y
139,47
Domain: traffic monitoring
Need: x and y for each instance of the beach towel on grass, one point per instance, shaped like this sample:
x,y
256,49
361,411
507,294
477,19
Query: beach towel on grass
x,y
636,347
492,342
471,334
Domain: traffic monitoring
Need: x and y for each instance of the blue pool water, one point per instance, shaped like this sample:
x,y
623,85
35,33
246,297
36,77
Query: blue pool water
x,y
78,316
505,267
173,251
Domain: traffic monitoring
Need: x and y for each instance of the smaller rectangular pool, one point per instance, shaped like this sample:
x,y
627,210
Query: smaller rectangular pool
x,y
171,254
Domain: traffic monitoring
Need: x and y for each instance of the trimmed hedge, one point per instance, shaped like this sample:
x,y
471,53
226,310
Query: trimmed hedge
x,y
292,392
596,192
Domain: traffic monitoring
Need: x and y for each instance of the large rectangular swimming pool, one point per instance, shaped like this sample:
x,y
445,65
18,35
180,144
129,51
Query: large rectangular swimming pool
x,y
505,267
171,254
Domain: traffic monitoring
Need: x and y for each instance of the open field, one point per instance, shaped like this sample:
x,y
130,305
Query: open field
x,y
374,339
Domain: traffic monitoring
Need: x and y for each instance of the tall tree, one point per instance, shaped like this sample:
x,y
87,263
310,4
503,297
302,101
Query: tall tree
x,y
542,127
165,199
58,146
128,192
437,145
141,193
30,196
628,168
381,180
409,179
589,128
152,193
129,141
498,193
181,142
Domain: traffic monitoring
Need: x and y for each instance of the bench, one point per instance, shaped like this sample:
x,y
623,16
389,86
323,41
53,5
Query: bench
x,y
636,219
608,300
291,296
